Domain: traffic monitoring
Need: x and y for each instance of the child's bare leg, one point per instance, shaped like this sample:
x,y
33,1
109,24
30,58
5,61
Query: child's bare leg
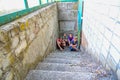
x,y
58,43
69,43
64,43
74,47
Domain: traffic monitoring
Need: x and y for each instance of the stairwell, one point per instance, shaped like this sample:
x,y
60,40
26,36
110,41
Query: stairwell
x,y
27,41
68,65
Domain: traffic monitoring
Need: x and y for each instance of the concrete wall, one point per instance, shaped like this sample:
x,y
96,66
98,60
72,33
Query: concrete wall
x,y
25,42
67,16
101,31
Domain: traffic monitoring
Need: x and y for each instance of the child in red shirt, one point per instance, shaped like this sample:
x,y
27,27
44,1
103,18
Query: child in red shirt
x,y
61,44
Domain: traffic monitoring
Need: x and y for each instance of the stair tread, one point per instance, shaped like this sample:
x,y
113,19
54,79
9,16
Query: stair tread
x,y
68,55
62,60
58,75
64,67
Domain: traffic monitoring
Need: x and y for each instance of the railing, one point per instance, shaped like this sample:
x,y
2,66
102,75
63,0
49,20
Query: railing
x,y
5,18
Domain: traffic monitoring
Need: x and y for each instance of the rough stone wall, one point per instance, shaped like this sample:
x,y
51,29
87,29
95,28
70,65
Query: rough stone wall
x,y
101,31
25,42
67,16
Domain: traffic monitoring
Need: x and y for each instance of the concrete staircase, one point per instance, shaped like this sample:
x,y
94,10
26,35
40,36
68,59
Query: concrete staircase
x,y
68,65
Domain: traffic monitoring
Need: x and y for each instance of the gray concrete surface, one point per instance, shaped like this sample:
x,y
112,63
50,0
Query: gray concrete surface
x,y
66,65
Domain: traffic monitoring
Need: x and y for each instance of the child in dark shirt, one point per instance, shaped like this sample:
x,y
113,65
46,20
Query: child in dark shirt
x,y
74,44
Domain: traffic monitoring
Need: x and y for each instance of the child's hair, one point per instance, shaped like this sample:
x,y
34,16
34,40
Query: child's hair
x,y
75,37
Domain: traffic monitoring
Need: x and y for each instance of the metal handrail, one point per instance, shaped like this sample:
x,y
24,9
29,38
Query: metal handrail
x,y
15,15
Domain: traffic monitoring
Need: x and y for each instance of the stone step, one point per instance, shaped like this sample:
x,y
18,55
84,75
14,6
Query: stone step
x,y
58,75
63,61
64,67
67,60
69,55
63,56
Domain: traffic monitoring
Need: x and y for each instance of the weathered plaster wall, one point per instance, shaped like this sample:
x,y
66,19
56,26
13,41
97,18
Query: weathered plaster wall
x,y
101,31
24,42
67,16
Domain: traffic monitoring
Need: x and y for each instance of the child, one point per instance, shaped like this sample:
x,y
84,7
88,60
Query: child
x,y
70,38
65,38
74,44
61,44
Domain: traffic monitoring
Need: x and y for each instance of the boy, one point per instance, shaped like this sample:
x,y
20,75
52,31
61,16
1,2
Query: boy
x,y
74,44
65,38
